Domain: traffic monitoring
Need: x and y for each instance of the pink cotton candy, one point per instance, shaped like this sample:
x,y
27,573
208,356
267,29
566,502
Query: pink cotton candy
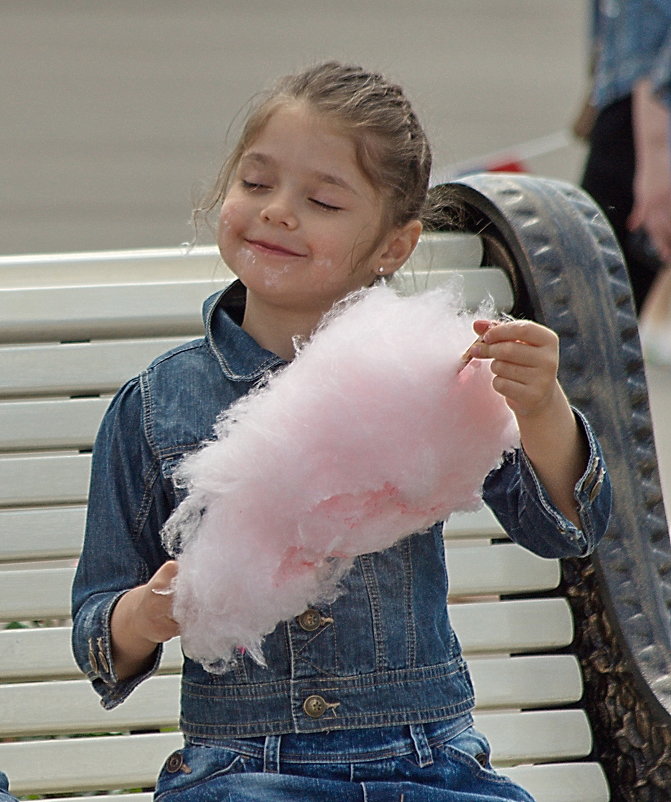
x,y
369,435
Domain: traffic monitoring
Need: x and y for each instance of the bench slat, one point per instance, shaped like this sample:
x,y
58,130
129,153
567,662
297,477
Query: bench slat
x,y
39,425
68,369
483,628
31,709
115,310
561,782
45,533
47,479
108,762
34,594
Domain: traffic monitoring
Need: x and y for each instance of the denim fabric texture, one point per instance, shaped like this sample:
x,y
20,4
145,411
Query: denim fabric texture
x,y
382,655
5,796
414,764
631,40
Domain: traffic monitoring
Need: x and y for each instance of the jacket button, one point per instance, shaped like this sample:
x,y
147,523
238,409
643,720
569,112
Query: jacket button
x,y
315,706
310,620
176,763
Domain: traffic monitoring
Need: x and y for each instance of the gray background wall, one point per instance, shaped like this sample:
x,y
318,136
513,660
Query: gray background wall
x,y
112,111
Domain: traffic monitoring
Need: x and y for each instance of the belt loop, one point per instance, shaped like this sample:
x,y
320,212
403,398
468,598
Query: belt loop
x,y
424,755
271,754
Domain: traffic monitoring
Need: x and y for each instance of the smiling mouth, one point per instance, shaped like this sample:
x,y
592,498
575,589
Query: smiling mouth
x,y
272,248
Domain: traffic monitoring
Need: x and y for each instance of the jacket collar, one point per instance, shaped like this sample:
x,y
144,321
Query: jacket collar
x,y
240,357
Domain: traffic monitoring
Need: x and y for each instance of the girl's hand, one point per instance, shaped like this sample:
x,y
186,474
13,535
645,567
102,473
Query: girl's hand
x,y
525,361
141,619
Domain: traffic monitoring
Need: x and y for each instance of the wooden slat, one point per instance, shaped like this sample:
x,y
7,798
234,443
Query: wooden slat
x,y
480,524
106,762
45,593
561,782
36,708
499,569
47,479
483,628
86,764
77,368
39,425
102,311
484,285
513,626
537,736
31,595
45,653
46,533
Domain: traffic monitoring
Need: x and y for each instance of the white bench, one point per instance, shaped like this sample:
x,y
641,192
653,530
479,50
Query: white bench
x,y
72,329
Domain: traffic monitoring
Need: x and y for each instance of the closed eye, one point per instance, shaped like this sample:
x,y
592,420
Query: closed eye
x,y
327,206
252,185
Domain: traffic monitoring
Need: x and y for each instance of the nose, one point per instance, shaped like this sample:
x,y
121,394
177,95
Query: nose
x,y
278,211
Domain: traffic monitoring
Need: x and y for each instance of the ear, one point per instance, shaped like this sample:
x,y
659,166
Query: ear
x,y
397,247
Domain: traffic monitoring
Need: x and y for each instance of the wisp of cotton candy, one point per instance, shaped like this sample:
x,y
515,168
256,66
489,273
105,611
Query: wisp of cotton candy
x,y
370,434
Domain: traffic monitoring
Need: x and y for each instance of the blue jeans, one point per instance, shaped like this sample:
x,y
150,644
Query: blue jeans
x,y
444,762
4,785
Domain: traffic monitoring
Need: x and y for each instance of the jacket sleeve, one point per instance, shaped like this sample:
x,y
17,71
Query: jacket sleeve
x,y
128,502
520,502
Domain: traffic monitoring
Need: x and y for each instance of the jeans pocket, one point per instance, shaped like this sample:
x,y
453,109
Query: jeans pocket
x,y
193,769
471,751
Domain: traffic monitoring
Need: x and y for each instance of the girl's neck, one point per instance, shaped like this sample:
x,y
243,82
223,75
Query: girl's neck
x,y
276,329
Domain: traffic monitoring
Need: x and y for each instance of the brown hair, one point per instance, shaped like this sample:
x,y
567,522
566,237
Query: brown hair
x,y
391,148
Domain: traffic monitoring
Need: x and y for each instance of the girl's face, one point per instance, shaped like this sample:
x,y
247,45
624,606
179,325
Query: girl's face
x,y
300,218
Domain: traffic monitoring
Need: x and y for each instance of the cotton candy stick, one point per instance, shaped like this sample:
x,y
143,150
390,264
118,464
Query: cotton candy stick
x,y
372,433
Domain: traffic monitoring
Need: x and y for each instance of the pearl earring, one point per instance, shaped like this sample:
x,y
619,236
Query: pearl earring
x,y
380,269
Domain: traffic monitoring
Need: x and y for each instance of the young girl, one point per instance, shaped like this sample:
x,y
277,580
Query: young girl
x,y
368,697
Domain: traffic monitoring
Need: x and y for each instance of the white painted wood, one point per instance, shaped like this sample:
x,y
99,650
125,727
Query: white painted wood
x,y
104,311
86,764
562,782
500,569
536,736
45,592
518,625
483,286
135,306
45,653
35,594
59,423
68,369
480,524
37,708
45,479
43,533
483,628
527,682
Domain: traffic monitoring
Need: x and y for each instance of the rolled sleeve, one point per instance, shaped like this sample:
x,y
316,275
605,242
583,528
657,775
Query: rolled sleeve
x,y
522,505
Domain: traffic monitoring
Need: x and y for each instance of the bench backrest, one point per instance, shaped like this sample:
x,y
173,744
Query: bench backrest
x,y
72,329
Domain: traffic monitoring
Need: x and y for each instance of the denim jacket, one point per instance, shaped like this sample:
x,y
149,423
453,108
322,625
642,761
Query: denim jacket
x,y
382,654
631,40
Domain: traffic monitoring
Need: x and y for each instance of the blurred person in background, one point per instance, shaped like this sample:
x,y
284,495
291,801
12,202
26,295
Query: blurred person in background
x,y
627,122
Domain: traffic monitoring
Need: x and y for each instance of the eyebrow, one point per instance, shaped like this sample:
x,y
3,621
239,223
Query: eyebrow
x,y
325,178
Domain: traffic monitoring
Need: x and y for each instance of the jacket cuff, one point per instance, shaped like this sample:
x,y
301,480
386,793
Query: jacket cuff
x,y
592,494
92,646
